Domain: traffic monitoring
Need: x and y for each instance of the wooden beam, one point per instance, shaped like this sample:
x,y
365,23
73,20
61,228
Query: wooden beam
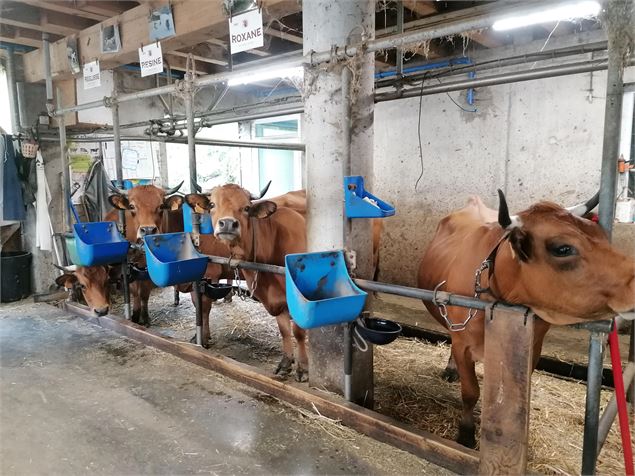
x,y
179,63
193,26
509,343
64,7
199,58
485,38
431,447
21,16
284,35
256,52
421,8
20,36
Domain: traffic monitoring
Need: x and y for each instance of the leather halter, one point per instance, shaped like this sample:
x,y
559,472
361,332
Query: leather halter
x,y
489,264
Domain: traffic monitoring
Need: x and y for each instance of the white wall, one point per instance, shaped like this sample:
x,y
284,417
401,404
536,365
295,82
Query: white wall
x,y
535,140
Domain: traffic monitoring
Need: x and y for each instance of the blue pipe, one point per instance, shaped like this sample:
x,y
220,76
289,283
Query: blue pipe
x,y
436,65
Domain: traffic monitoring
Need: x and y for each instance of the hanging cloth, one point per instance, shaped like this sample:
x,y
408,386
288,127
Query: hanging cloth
x,y
43,227
12,204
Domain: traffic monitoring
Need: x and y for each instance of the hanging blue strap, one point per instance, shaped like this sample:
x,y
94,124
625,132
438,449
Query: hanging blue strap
x,y
72,207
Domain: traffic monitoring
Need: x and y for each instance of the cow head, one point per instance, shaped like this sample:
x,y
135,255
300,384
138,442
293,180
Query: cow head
x,y
562,265
92,281
146,204
232,208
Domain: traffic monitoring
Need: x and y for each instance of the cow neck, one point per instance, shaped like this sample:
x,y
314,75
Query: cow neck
x,y
253,253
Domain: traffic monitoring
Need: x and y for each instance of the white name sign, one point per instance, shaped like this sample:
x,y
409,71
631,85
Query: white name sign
x,y
151,59
245,31
92,75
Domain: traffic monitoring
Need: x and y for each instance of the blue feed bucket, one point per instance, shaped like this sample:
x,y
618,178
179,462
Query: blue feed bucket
x,y
99,243
172,259
319,290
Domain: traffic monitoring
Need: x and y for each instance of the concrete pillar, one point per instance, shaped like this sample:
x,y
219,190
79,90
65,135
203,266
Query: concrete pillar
x,y
325,23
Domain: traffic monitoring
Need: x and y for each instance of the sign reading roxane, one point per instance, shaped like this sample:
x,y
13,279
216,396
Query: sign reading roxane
x,y
245,31
151,59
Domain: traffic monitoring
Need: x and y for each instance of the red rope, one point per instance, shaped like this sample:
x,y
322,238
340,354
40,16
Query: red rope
x,y
620,395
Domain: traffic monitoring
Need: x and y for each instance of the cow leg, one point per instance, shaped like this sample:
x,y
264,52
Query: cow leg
x,y
228,298
177,298
136,302
286,363
450,373
469,394
302,369
205,310
144,290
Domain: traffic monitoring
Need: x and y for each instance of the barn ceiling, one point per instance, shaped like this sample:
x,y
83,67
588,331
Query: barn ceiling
x,y
201,30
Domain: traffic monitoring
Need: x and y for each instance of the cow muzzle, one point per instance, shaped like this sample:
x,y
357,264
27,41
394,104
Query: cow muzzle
x,y
146,230
102,311
227,228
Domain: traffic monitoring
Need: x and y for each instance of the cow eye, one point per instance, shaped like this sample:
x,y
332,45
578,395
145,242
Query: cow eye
x,y
211,205
83,287
562,251
247,208
132,207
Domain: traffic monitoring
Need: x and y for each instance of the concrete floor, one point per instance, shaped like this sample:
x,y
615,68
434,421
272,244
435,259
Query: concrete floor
x,y
75,398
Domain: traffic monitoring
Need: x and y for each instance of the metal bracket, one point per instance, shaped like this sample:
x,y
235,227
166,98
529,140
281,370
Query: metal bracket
x,y
350,256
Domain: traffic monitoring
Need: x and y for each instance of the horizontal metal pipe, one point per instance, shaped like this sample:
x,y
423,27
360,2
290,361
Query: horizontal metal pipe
x,y
607,418
393,41
413,37
183,140
503,78
240,264
427,295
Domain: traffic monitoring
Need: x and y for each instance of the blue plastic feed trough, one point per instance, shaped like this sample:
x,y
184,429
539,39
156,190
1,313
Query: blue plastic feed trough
x,y
172,259
319,290
359,203
99,243
206,221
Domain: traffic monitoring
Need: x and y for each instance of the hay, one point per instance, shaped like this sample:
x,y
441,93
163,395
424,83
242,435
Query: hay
x,y
408,386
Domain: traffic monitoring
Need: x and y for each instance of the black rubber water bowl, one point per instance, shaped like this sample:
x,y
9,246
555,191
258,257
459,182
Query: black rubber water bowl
x,y
217,290
378,331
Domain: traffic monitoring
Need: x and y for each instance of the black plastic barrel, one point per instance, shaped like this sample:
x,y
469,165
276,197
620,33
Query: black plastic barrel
x,y
16,275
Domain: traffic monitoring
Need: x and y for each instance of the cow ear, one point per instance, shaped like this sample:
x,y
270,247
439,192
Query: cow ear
x,y
199,203
173,203
521,243
66,280
119,201
262,209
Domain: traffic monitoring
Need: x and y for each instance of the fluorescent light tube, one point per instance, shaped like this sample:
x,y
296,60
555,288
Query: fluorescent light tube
x,y
570,11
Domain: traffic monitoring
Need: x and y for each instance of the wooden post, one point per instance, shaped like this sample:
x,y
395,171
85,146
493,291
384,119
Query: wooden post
x,y
506,392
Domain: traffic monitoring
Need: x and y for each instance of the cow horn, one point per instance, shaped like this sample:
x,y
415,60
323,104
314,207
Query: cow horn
x,y
584,208
197,187
505,220
170,191
262,192
118,190
66,269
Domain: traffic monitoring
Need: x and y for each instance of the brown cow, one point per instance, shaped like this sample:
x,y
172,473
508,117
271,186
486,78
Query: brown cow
x,y
548,258
261,232
93,282
144,206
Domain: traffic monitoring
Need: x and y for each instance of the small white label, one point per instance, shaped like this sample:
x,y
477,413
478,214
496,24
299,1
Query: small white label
x,y
92,75
245,31
151,59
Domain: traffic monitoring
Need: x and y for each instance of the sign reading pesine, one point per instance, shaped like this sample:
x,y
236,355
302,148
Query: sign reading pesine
x,y
92,75
151,59
245,31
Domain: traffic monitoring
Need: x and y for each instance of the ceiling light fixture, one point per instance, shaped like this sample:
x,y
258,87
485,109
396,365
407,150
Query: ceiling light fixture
x,y
570,11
